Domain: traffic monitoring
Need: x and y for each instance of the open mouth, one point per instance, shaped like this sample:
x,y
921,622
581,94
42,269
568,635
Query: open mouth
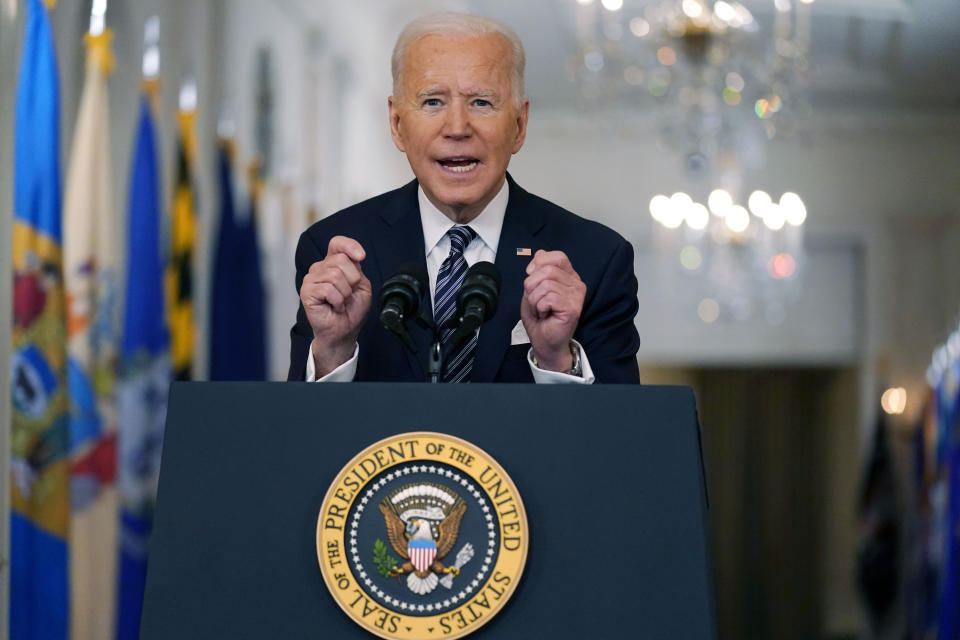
x,y
459,164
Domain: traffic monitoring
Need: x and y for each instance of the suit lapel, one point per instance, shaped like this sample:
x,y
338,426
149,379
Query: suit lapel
x,y
401,241
520,224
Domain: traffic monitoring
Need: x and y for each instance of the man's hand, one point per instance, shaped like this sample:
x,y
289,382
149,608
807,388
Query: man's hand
x,y
336,298
552,301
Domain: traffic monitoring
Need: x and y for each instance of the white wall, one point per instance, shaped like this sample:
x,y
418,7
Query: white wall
x,y
886,187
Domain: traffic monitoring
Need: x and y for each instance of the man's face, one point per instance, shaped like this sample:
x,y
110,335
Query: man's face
x,y
456,119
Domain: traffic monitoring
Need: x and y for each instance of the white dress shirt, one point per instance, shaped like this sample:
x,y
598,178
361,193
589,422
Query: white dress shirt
x,y
436,242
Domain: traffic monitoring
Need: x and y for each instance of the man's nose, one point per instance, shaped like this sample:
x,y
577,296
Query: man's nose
x,y
457,122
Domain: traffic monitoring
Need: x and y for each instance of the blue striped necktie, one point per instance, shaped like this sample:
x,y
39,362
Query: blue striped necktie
x,y
449,278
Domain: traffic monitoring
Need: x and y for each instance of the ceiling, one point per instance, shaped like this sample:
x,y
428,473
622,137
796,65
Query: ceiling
x,y
878,55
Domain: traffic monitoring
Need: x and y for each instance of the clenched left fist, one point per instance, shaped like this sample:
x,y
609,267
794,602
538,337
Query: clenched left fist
x,y
553,297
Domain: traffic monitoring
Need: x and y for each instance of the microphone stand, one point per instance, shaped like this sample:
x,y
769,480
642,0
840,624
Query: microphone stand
x,y
435,363
439,351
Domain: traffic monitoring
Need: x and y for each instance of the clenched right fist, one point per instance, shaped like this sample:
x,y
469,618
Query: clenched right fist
x,y
336,298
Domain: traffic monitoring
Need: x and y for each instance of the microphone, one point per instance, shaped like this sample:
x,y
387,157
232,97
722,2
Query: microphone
x,y
478,297
476,303
400,299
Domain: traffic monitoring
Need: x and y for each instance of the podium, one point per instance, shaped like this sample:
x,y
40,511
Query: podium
x,y
611,478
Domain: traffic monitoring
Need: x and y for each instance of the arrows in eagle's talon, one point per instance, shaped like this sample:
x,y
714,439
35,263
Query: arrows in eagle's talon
x,y
463,557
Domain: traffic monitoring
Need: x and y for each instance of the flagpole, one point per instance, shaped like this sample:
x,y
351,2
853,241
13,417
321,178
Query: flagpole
x,y
8,57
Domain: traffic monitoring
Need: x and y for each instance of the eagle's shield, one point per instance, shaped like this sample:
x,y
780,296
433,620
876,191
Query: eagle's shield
x,y
422,553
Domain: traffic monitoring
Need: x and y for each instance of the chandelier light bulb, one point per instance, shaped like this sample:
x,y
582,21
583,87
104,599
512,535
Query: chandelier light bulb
x,y
692,8
673,218
719,202
724,11
659,207
675,212
758,202
774,218
697,216
793,208
612,5
737,219
743,18
584,3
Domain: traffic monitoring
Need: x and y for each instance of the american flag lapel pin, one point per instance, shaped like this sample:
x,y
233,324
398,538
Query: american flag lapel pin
x,y
524,251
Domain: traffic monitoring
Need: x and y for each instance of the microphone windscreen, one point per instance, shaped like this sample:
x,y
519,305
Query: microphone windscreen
x,y
416,271
487,269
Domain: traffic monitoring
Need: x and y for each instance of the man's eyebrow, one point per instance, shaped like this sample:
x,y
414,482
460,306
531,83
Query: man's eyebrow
x,y
438,91
481,94
432,91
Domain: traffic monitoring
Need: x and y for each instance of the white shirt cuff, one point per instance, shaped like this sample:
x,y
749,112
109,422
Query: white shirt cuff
x,y
542,376
343,373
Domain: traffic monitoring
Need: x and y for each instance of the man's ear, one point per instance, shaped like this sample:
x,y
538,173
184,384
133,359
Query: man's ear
x,y
523,115
395,123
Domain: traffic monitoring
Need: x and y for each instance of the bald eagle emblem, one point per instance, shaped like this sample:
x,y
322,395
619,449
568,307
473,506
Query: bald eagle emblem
x,y
423,522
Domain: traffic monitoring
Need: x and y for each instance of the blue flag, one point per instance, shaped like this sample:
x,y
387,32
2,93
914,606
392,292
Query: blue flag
x,y
144,377
237,325
40,433
950,592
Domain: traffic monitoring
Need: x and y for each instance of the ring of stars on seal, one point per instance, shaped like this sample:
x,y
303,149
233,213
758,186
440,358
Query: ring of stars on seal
x,y
422,535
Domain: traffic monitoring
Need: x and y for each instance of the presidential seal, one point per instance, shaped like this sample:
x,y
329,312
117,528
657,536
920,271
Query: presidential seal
x,y
422,535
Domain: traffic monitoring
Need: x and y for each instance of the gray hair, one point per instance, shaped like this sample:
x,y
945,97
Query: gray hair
x,y
459,24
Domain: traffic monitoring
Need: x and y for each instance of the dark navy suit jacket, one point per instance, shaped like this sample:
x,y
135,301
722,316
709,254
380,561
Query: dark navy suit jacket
x,y
388,226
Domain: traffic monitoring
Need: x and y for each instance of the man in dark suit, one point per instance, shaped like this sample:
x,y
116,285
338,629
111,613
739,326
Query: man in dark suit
x,y
568,296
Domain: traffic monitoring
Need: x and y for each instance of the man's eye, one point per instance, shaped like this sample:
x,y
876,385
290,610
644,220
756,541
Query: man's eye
x,y
431,102
480,102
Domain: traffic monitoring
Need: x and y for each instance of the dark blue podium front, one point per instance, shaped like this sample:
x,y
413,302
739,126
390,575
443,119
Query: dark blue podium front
x,y
611,477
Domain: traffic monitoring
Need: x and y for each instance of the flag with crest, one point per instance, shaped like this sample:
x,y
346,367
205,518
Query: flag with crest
x,y
40,422
90,280
144,375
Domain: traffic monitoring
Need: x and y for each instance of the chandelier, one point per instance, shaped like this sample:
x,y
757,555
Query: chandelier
x,y
721,84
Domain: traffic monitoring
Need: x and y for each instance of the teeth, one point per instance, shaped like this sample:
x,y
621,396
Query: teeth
x,y
462,168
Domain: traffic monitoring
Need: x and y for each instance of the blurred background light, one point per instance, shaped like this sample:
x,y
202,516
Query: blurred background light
x,y
708,310
793,208
781,266
894,400
691,258
697,216
774,218
639,27
719,202
659,206
737,219
759,202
